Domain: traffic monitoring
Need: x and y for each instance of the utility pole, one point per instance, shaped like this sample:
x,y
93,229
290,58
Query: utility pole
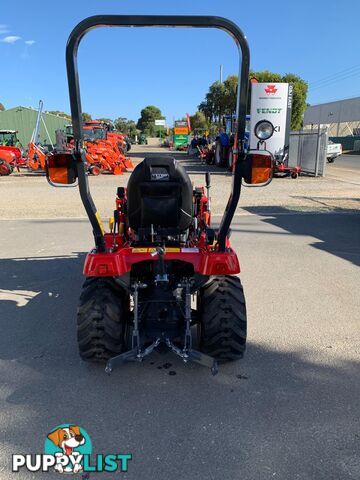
x,y
220,73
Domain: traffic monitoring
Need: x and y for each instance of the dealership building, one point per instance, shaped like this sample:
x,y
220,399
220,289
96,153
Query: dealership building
x,y
341,117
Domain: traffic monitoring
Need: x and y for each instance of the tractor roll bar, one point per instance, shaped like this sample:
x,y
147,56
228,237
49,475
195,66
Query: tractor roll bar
x,y
156,21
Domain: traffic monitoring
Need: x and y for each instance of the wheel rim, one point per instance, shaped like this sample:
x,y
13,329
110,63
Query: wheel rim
x,y
95,170
218,154
230,161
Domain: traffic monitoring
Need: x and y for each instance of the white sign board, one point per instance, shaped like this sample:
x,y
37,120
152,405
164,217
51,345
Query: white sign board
x,y
160,123
272,101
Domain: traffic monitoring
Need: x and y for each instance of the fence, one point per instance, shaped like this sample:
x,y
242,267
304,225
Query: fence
x,y
348,143
307,149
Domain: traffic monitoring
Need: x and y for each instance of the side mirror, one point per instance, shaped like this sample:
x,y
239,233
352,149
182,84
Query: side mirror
x,y
60,169
258,168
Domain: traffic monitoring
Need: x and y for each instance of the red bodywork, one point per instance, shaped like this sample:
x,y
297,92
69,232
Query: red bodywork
x,y
119,262
12,155
121,252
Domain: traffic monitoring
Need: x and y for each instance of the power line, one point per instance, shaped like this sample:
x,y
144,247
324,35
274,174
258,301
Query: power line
x,y
336,99
340,72
335,80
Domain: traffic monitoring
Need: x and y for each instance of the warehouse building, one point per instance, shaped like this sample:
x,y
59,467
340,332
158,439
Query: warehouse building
x,y
341,117
23,120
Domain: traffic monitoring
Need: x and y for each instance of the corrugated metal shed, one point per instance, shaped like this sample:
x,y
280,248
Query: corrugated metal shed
x,y
347,110
23,120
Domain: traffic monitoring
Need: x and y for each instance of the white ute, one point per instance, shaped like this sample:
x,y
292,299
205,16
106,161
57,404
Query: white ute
x,y
333,151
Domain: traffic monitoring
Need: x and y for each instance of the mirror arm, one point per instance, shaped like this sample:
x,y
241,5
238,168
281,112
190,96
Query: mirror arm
x,y
88,202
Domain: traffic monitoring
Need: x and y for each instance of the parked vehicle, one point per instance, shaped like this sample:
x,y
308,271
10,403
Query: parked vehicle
x,y
11,152
143,139
334,150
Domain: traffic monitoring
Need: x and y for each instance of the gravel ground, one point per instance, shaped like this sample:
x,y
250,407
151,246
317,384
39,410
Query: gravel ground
x,y
289,410
338,191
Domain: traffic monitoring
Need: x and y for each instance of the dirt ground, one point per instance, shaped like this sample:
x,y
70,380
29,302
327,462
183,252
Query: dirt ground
x,y
27,195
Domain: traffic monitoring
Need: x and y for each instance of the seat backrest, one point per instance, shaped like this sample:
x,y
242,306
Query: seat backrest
x,y
159,193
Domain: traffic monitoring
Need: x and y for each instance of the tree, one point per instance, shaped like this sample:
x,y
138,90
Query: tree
x,y
300,88
230,94
146,122
207,109
299,93
86,117
198,120
121,124
105,120
58,113
2,108
126,126
131,129
213,105
221,98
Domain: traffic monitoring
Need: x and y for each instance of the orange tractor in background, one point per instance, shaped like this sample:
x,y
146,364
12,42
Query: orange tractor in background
x,y
118,141
104,151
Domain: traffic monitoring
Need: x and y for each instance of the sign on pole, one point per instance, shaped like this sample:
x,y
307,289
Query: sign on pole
x,y
160,123
273,102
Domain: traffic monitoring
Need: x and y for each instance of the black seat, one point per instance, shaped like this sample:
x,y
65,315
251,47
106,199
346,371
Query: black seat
x,y
159,194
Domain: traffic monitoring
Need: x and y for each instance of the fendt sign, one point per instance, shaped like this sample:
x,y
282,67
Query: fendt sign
x,y
273,102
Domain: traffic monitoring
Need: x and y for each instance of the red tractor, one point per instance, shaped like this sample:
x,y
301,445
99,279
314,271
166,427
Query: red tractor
x,y
11,154
162,249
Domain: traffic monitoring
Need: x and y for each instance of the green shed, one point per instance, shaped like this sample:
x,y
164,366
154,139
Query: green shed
x,y
23,120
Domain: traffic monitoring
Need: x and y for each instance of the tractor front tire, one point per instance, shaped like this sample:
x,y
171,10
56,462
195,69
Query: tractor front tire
x,y
102,320
230,159
5,168
219,154
222,325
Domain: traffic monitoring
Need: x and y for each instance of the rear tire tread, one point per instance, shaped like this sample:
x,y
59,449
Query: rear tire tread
x,y
101,319
223,319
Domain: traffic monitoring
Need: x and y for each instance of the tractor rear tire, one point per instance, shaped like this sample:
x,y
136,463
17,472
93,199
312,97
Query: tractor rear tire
x,y
222,325
219,154
95,170
102,320
230,159
5,168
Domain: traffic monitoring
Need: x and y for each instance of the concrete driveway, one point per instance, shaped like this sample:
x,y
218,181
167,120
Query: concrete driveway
x,y
289,410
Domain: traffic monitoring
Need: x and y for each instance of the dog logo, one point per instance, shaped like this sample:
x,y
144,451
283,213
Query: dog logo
x,y
68,443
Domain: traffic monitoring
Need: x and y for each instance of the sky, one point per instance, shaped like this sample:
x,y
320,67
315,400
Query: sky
x,y
123,70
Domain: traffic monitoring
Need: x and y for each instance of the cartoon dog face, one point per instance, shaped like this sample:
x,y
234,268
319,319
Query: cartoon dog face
x,y
67,438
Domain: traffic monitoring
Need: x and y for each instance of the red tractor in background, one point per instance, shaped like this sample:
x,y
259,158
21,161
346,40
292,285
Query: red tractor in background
x,y
11,152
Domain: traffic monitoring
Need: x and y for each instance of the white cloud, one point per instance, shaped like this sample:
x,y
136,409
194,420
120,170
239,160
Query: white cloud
x,y
11,39
4,29
29,42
